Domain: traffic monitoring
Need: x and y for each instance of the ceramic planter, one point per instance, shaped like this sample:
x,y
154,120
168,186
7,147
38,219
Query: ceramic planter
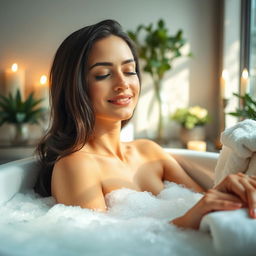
x,y
197,133
21,134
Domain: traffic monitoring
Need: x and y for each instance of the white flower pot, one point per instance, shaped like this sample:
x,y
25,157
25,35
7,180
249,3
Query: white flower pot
x,y
21,134
197,133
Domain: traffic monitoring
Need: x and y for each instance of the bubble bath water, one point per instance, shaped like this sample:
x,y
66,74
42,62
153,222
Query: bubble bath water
x,y
136,223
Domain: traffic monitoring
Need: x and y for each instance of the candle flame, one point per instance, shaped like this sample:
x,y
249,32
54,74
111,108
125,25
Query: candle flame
x,y
224,74
245,73
43,79
14,67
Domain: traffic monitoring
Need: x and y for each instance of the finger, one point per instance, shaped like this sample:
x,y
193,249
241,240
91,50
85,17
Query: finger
x,y
231,184
251,179
251,197
252,182
225,205
213,201
228,197
237,188
241,174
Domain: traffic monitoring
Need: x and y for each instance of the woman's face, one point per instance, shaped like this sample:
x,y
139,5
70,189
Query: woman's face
x,y
112,78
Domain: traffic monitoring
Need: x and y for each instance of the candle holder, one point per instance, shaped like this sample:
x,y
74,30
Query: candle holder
x,y
197,145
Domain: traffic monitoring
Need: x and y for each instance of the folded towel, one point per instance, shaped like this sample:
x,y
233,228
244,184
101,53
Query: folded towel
x,y
233,232
239,150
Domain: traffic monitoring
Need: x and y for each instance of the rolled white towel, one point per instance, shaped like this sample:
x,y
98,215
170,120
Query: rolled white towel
x,y
239,150
229,162
241,138
233,232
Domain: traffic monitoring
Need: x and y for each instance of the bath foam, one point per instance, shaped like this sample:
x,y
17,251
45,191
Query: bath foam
x,y
137,223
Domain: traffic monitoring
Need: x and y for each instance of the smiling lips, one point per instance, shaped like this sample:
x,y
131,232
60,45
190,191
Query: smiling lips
x,y
121,100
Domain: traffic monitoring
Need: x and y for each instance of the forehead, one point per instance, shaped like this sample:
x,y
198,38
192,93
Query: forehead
x,y
110,49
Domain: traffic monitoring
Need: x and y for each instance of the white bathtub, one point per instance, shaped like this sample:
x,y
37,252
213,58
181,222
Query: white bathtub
x,y
136,223
19,175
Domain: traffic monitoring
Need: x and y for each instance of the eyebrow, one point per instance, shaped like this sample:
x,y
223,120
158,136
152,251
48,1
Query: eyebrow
x,y
110,63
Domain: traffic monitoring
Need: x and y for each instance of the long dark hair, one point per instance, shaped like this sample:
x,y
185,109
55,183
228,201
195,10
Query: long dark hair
x,y
72,114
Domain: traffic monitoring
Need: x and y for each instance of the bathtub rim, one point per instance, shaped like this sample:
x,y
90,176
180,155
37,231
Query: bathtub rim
x,y
23,172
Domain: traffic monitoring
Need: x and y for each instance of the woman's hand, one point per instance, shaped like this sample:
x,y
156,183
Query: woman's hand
x,y
213,200
244,187
234,192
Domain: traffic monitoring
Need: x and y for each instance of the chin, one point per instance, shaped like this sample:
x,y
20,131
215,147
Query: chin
x,y
125,118
121,117
117,116
123,114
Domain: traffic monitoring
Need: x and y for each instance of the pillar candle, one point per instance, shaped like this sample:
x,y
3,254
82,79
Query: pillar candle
x,y
14,80
198,145
244,82
223,83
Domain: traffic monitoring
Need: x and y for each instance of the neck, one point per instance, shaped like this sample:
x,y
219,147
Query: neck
x,y
106,139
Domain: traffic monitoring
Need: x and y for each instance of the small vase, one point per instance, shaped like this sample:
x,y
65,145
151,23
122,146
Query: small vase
x,y
196,133
21,134
158,116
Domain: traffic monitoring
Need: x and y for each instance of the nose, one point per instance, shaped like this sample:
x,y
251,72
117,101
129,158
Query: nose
x,y
121,83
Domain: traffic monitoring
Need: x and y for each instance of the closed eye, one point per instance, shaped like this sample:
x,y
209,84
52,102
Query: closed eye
x,y
101,77
131,73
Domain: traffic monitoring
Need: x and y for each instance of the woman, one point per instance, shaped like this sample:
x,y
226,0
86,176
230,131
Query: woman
x,y
95,84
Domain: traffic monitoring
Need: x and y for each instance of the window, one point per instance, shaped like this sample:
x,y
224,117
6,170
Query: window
x,y
252,48
248,42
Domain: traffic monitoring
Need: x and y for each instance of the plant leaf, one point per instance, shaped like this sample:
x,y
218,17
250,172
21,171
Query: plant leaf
x,y
14,110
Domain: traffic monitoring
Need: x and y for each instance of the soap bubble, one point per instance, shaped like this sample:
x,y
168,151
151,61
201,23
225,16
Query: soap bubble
x,y
136,223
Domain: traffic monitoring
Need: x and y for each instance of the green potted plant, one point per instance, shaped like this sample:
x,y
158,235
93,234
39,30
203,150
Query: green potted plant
x,y
158,49
192,121
247,109
13,110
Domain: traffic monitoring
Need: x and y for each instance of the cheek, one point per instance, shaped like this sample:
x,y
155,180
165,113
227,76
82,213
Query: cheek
x,y
97,92
93,93
136,86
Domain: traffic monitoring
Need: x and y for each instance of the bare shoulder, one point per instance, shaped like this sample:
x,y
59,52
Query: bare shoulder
x,y
149,148
75,162
74,166
76,181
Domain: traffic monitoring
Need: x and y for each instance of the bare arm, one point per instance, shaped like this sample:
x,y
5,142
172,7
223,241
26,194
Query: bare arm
x,y
175,173
172,170
76,182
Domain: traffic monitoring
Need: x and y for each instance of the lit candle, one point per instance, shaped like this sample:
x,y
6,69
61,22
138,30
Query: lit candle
x,y
14,80
197,145
244,82
42,91
223,83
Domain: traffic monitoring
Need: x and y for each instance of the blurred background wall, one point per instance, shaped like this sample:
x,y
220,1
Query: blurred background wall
x,y
31,31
